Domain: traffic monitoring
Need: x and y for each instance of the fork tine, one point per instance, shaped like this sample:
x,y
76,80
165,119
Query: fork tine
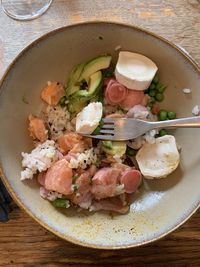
x,y
103,137
107,131
108,120
108,126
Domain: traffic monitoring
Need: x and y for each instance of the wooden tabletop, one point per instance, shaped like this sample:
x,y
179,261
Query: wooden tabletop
x,y
25,243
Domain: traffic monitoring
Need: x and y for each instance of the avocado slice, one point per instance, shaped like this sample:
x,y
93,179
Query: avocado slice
x,y
80,99
76,105
94,86
107,144
72,85
94,65
114,148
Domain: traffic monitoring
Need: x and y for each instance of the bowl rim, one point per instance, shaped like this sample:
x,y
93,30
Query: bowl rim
x,y
6,182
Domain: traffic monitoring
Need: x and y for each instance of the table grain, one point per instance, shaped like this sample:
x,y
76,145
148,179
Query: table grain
x,y
25,243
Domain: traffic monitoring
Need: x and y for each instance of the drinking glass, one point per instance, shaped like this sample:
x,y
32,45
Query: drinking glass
x,y
25,9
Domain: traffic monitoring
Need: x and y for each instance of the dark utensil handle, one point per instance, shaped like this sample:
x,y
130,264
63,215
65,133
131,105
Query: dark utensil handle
x,y
5,200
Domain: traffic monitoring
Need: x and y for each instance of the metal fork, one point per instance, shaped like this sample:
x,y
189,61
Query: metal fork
x,y
121,129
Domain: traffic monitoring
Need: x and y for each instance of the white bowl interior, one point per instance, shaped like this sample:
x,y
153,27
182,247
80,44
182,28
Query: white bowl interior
x,y
162,204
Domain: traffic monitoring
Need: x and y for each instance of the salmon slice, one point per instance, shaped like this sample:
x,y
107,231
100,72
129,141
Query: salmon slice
x,y
73,143
121,167
83,196
52,93
59,177
41,178
105,183
37,128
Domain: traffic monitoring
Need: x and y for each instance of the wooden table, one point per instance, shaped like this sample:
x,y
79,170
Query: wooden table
x,y
22,241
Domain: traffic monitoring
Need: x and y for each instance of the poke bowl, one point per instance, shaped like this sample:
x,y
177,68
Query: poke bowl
x,y
101,193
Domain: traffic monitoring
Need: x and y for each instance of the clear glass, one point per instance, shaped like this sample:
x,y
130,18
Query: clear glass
x,y
25,9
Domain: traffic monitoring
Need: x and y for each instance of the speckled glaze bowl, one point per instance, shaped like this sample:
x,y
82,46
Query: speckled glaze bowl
x,y
161,205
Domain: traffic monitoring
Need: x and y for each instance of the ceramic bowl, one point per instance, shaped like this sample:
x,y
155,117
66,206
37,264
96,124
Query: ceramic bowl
x,y
161,205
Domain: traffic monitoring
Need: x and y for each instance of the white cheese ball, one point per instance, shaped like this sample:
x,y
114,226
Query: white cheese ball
x,y
135,71
88,119
159,159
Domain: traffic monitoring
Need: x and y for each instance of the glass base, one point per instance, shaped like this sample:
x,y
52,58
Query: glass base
x,y
25,9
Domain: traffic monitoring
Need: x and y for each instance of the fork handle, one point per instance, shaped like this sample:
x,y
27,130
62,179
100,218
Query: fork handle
x,y
191,122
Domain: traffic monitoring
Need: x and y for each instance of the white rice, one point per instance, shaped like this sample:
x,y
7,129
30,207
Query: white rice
x,y
150,136
50,195
187,90
196,110
40,159
84,159
58,120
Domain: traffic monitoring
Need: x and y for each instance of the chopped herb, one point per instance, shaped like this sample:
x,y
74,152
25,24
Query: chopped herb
x,y
74,187
61,203
49,132
62,101
98,129
107,73
130,152
25,100
74,178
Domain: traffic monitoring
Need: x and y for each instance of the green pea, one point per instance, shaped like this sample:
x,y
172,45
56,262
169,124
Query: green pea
x,y
159,97
152,100
163,132
161,88
61,203
152,92
74,187
152,86
171,115
156,79
162,115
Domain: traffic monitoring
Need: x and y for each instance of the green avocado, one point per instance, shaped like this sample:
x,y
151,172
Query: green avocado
x,y
94,65
72,84
80,99
88,74
94,86
114,148
75,106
